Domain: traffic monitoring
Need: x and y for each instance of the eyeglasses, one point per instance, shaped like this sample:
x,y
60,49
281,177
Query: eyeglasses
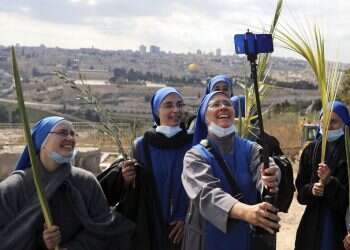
x,y
170,105
219,103
65,133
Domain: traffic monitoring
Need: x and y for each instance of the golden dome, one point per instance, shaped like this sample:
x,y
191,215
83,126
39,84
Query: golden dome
x,y
193,68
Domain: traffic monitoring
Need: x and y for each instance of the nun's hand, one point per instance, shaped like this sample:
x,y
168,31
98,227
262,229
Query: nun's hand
x,y
263,215
51,236
323,172
318,189
128,172
177,231
271,176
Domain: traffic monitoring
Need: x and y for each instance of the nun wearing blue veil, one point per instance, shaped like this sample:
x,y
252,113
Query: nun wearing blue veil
x,y
221,83
220,211
238,103
323,187
152,185
81,215
161,151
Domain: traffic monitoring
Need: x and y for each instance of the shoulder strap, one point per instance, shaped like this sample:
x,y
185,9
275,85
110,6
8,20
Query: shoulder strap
x,y
236,192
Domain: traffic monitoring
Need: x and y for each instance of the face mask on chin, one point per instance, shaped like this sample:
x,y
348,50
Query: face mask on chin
x,y
221,132
59,159
168,131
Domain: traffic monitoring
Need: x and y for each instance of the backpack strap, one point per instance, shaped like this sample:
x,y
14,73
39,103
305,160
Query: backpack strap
x,y
236,192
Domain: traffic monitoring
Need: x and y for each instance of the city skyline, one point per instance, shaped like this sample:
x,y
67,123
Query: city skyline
x,y
180,27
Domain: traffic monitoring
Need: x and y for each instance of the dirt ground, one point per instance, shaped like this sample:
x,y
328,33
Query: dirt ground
x,y
289,225
290,221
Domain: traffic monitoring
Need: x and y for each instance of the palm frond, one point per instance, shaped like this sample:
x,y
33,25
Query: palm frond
x,y
245,125
106,124
33,156
263,59
310,44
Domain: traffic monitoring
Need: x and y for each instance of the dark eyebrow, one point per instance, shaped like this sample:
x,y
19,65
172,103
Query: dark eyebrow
x,y
168,102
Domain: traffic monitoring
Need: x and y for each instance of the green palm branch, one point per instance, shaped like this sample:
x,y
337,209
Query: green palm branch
x,y
264,59
310,44
33,157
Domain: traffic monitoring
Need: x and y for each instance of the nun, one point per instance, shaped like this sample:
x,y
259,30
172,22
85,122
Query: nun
x,y
223,177
81,215
151,185
323,187
221,83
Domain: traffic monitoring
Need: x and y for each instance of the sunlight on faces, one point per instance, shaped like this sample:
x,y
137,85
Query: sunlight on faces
x,y
171,110
61,140
222,87
220,111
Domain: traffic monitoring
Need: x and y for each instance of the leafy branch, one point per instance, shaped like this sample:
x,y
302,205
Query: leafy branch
x,y
106,124
310,44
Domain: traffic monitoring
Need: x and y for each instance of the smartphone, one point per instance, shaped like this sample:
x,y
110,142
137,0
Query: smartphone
x,y
250,43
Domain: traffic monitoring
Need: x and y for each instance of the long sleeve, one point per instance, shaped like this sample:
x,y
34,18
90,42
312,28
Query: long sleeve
x,y
95,215
198,180
336,190
303,181
336,194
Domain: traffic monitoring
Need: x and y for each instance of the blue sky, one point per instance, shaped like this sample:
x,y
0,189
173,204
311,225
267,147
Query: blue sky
x,y
178,26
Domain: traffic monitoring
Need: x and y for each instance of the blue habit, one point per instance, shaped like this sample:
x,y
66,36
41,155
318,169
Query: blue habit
x,y
238,232
167,165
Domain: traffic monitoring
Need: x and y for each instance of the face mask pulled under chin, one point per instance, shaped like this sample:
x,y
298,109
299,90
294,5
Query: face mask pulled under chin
x,y
221,132
59,159
168,131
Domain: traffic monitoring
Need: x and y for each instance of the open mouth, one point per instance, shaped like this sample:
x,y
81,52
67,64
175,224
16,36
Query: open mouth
x,y
223,116
68,147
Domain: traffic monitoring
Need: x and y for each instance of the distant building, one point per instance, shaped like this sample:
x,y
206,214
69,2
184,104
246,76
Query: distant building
x,y
199,52
218,52
142,49
154,49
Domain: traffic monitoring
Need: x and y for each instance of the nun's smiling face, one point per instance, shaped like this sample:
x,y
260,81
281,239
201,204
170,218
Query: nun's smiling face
x,y
220,111
61,140
171,110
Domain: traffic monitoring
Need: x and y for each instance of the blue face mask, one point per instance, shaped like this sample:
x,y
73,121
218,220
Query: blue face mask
x,y
334,135
59,159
